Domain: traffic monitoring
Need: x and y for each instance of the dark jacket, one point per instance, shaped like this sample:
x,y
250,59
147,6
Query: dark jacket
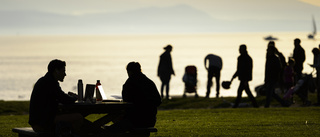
x,y
244,68
273,68
299,57
143,93
165,65
45,97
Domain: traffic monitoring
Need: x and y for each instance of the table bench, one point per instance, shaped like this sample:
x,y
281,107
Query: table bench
x,y
28,132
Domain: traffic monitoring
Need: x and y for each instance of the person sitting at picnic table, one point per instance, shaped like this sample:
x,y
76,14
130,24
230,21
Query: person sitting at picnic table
x,y
145,98
45,98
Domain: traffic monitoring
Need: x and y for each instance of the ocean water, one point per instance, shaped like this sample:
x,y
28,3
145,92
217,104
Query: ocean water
x,y
24,59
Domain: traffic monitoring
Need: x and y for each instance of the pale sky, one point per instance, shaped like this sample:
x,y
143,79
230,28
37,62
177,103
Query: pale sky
x,y
225,10
79,7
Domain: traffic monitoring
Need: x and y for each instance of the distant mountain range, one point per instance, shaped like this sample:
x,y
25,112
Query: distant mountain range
x,y
176,19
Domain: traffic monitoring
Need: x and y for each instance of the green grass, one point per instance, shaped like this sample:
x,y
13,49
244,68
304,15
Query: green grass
x,y
14,107
297,121
204,117
240,122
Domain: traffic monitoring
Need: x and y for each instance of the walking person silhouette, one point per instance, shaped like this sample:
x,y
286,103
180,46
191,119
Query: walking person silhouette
x,y
244,73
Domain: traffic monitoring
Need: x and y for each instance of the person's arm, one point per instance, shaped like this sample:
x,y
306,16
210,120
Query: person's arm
x,y
171,66
303,56
220,59
128,91
158,72
234,75
205,62
64,98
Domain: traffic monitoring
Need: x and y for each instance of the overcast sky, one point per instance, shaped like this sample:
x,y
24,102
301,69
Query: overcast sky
x,y
212,7
218,9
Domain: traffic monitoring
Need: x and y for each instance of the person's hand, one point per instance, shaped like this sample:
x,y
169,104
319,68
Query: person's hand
x,y
73,95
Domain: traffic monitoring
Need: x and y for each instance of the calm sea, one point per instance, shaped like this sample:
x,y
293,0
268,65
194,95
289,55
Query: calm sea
x,y
24,59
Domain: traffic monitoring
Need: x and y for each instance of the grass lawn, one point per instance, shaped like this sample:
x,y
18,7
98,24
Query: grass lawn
x,y
299,121
203,117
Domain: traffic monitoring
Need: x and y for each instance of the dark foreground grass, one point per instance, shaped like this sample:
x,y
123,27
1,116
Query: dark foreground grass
x,y
204,117
296,121
240,122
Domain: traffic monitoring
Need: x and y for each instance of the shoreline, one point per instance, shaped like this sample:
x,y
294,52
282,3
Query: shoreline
x,y
190,102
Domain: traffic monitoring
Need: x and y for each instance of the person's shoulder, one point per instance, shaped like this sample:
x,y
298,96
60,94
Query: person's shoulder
x,y
42,79
147,79
301,48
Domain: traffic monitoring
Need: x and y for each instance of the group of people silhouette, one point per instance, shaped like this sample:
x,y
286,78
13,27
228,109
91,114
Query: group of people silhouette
x,y
144,95
47,94
279,73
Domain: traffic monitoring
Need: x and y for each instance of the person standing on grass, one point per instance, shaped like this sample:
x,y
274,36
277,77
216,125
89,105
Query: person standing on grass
x,y
299,57
316,65
214,70
283,65
244,73
272,76
45,97
165,70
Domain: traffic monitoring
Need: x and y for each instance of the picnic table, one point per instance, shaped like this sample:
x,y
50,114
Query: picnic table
x,y
110,111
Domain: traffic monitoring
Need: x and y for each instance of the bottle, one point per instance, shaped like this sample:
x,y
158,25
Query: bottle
x,y
98,95
80,90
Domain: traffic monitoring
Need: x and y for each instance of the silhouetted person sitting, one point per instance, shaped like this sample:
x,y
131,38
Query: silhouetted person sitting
x,y
244,72
289,75
143,94
46,96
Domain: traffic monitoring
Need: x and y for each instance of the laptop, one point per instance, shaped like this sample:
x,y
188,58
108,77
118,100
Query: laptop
x,y
104,97
89,92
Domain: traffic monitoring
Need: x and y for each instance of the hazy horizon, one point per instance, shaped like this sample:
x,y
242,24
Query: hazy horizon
x,y
24,59
154,16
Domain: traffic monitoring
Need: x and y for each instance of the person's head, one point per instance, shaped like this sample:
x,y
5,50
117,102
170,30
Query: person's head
x,y
297,42
315,51
168,48
58,69
243,49
271,50
271,43
291,62
133,68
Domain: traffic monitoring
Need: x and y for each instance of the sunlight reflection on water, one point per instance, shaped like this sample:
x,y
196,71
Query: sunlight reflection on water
x,y
23,59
